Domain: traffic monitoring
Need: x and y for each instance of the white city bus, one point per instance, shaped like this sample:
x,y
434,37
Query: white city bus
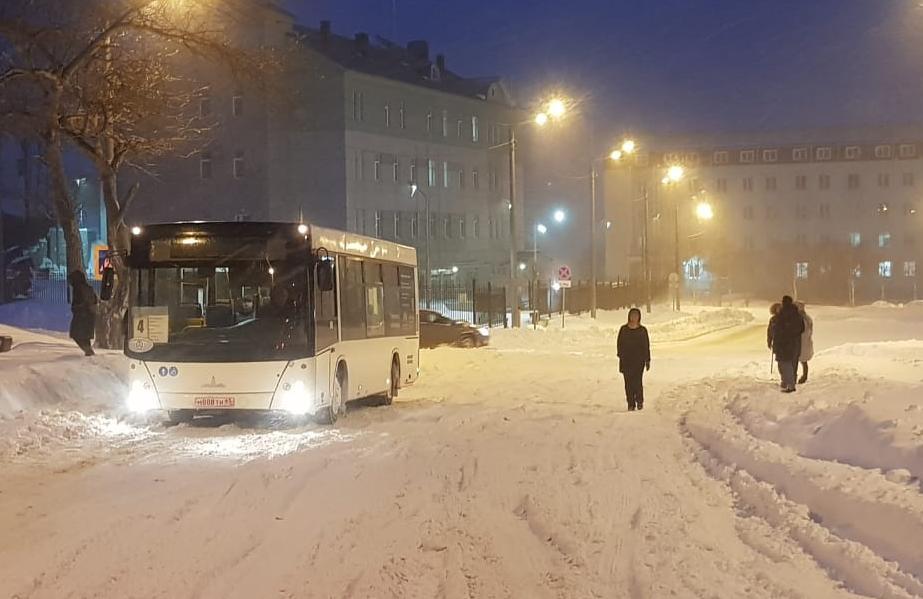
x,y
267,317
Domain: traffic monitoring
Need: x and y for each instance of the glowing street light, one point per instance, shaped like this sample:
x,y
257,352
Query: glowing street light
x,y
541,119
628,146
675,174
615,155
704,211
136,230
541,228
522,266
556,108
454,270
559,216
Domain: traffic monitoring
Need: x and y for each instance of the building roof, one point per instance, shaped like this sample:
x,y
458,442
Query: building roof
x,y
410,64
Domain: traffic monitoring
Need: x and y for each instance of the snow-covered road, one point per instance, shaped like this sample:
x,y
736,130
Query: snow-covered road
x,y
512,471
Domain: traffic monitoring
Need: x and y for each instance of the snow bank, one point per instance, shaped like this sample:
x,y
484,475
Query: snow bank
x,y
51,393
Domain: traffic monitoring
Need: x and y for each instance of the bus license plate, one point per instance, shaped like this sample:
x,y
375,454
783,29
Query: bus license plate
x,y
214,402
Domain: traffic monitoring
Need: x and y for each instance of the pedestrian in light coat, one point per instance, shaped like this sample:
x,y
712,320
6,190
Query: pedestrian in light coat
x,y
807,343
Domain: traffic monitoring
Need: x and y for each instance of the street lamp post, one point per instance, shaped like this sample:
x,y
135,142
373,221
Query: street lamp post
x,y
514,279
675,174
414,190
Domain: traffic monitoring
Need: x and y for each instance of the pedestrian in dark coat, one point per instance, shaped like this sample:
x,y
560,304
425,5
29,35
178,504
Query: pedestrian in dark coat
x,y
83,310
784,339
634,350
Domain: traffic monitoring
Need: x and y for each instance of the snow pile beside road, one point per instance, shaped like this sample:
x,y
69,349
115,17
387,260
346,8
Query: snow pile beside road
x,y
582,333
50,393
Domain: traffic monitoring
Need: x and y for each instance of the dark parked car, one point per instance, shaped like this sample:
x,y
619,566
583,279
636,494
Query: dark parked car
x,y
436,329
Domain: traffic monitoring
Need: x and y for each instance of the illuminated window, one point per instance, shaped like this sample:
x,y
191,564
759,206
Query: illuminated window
x,y
910,269
855,239
800,154
801,270
884,240
825,153
475,129
884,269
853,152
882,151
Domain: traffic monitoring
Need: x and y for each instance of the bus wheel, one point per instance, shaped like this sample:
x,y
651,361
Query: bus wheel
x,y
329,414
395,385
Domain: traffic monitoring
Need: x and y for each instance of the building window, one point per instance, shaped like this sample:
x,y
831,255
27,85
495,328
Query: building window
x,y
747,156
447,227
801,270
907,151
748,212
883,208
205,106
414,226
387,115
907,179
853,152
475,182
882,151
770,155
721,157
461,178
376,168
852,181
722,185
402,116
205,166
491,226
825,210
445,123
884,240
825,153
910,269
237,105
476,227
770,183
397,225
431,173
378,223
800,154
463,228
239,165
396,171
475,129
855,239
884,180
429,122
358,106
884,269
823,181
801,182
357,165
445,174
413,171
748,183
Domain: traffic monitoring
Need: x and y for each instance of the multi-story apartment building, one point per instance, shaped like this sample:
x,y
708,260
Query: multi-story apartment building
x,y
832,217
341,139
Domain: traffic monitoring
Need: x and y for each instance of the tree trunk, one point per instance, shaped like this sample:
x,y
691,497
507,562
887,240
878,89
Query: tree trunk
x,y
63,203
109,324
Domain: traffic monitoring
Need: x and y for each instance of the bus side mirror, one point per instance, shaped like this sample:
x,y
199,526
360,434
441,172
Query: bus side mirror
x,y
325,280
105,288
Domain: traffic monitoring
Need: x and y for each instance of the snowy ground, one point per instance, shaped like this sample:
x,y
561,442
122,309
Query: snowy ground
x,y
510,471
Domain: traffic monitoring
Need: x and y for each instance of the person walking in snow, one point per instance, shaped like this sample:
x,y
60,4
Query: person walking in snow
x,y
634,351
807,344
83,310
784,339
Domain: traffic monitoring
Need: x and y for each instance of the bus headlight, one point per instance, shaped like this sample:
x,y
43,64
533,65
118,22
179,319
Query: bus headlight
x,y
142,398
294,398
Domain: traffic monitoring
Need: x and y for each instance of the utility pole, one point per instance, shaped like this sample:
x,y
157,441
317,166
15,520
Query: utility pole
x,y
514,281
676,264
593,242
645,256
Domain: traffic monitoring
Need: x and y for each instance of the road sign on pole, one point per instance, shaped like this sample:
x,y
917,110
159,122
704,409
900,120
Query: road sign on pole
x,y
564,274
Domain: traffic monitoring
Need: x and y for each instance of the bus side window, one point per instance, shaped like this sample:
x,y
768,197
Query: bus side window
x,y
325,314
353,301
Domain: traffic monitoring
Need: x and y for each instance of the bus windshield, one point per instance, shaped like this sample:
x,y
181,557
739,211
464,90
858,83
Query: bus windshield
x,y
238,311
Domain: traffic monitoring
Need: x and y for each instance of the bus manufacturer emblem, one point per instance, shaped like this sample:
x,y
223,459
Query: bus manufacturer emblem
x,y
140,345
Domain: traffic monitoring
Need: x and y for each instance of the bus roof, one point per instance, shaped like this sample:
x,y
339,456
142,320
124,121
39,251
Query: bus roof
x,y
362,246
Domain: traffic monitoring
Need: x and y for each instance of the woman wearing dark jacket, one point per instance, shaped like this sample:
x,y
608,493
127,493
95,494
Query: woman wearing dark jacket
x,y
634,350
83,309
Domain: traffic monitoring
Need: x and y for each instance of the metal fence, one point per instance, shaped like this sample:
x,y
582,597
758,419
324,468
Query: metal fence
x,y
478,303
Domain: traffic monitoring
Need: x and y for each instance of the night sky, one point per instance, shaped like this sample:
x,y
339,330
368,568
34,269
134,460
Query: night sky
x,y
667,66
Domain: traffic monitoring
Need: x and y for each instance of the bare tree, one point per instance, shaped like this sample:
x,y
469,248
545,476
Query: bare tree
x,y
112,86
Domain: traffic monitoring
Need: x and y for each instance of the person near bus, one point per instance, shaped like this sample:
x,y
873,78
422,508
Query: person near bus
x,y
83,311
634,352
807,344
784,339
